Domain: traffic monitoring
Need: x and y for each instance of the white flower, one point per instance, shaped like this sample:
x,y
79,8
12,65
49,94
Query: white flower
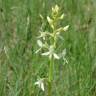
x,y
51,53
40,84
42,35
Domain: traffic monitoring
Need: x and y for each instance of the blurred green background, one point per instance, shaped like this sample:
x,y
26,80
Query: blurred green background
x,y
20,66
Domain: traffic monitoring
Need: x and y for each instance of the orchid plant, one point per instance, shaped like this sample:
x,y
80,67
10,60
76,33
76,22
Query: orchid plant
x,y
47,41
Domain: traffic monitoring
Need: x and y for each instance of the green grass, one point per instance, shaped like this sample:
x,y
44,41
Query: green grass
x,y
20,66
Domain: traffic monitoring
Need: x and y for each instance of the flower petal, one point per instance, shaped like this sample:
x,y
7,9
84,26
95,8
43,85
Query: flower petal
x,y
66,28
42,86
50,21
39,42
56,56
46,53
36,83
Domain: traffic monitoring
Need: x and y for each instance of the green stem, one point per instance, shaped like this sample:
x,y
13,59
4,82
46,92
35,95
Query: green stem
x,y
51,67
50,79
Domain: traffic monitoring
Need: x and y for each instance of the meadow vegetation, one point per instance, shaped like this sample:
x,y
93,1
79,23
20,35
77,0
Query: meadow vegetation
x,y
21,67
